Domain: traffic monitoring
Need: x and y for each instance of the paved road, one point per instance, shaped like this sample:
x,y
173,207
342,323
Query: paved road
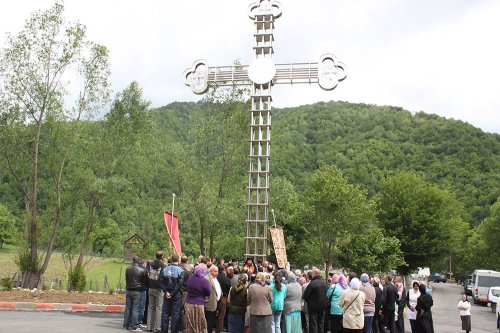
x,y
445,313
59,322
445,316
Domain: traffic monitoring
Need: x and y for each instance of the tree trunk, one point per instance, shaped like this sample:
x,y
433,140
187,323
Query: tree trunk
x,y
328,263
86,236
57,222
31,280
211,243
202,236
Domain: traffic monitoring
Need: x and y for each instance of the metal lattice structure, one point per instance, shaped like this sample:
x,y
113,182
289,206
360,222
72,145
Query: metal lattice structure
x,y
261,75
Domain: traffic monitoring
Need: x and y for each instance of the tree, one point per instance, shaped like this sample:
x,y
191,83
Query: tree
x,y
485,244
125,127
36,67
426,219
7,226
211,167
337,214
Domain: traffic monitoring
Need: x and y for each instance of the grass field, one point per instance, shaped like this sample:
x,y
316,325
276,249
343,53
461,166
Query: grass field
x,y
96,270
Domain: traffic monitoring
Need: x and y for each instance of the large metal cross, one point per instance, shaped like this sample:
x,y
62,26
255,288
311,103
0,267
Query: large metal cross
x,y
261,75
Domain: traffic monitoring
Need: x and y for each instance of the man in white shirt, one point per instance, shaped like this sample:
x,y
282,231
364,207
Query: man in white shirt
x,y
211,304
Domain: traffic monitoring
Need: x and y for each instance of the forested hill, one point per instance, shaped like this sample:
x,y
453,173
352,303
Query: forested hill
x,y
368,142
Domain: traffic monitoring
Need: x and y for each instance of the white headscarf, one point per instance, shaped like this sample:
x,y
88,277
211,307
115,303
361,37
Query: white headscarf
x,y
355,283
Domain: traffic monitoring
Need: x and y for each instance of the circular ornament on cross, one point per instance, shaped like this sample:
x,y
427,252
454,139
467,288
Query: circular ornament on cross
x,y
262,71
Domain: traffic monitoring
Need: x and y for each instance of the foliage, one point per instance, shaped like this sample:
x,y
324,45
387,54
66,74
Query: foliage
x,y
485,243
7,284
342,221
426,219
210,166
23,260
36,68
7,226
77,279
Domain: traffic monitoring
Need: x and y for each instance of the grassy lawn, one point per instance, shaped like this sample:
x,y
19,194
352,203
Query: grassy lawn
x,y
96,269
109,268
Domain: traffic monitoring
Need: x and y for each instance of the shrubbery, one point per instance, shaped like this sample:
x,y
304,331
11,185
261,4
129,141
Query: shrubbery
x,y
77,279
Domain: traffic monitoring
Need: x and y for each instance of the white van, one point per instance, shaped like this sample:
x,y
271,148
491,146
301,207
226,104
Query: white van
x,y
483,280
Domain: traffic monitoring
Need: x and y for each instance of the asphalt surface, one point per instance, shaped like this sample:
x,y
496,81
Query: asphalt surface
x,y
445,312
59,322
445,315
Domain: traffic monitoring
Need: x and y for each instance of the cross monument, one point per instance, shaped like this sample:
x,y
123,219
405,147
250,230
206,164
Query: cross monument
x,y
262,74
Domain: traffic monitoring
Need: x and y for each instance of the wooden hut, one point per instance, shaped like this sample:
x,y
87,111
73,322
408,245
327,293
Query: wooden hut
x,y
132,246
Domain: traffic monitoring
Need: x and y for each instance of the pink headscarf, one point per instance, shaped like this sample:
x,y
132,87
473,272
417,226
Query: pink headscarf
x,y
343,281
334,279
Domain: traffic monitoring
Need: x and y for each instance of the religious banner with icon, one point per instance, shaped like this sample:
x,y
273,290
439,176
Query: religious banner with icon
x,y
279,246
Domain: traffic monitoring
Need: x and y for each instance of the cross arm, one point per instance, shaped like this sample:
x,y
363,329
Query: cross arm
x,y
327,72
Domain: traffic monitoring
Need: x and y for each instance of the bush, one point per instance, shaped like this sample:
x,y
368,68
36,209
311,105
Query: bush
x,y
6,284
23,260
77,279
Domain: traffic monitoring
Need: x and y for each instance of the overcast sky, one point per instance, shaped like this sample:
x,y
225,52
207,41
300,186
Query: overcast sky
x,y
436,56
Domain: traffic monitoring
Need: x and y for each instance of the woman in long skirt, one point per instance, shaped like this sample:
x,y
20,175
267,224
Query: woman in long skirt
x,y
259,298
293,305
194,311
424,312
464,307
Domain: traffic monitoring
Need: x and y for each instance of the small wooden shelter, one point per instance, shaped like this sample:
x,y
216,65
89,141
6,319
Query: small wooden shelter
x,y
132,246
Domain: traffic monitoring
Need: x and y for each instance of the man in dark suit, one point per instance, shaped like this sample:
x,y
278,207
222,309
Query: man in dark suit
x,y
315,296
388,306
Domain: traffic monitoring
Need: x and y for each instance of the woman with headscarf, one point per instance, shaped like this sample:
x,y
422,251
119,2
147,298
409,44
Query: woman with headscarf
x,y
352,302
424,314
411,302
259,298
293,305
464,307
333,293
369,306
279,292
197,289
343,282
237,301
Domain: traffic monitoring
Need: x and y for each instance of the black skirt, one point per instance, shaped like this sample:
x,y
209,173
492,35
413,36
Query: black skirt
x,y
466,325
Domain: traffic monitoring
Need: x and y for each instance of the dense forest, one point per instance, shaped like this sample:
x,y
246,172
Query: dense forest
x,y
132,179
362,187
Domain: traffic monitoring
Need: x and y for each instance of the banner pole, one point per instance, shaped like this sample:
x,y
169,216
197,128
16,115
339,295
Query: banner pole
x,y
171,225
173,204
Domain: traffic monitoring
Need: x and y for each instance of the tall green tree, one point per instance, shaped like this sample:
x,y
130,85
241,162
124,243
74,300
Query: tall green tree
x,y
337,215
426,219
485,244
105,159
211,167
36,67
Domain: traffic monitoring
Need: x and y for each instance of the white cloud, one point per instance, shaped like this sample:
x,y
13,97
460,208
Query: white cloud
x,y
432,56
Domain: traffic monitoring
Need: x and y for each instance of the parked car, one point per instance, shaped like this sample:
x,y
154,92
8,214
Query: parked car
x,y
494,297
438,277
468,287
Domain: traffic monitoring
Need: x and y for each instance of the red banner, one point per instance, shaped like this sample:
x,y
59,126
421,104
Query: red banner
x,y
172,225
279,246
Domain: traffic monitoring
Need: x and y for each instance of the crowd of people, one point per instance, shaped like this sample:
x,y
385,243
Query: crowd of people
x,y
210,295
